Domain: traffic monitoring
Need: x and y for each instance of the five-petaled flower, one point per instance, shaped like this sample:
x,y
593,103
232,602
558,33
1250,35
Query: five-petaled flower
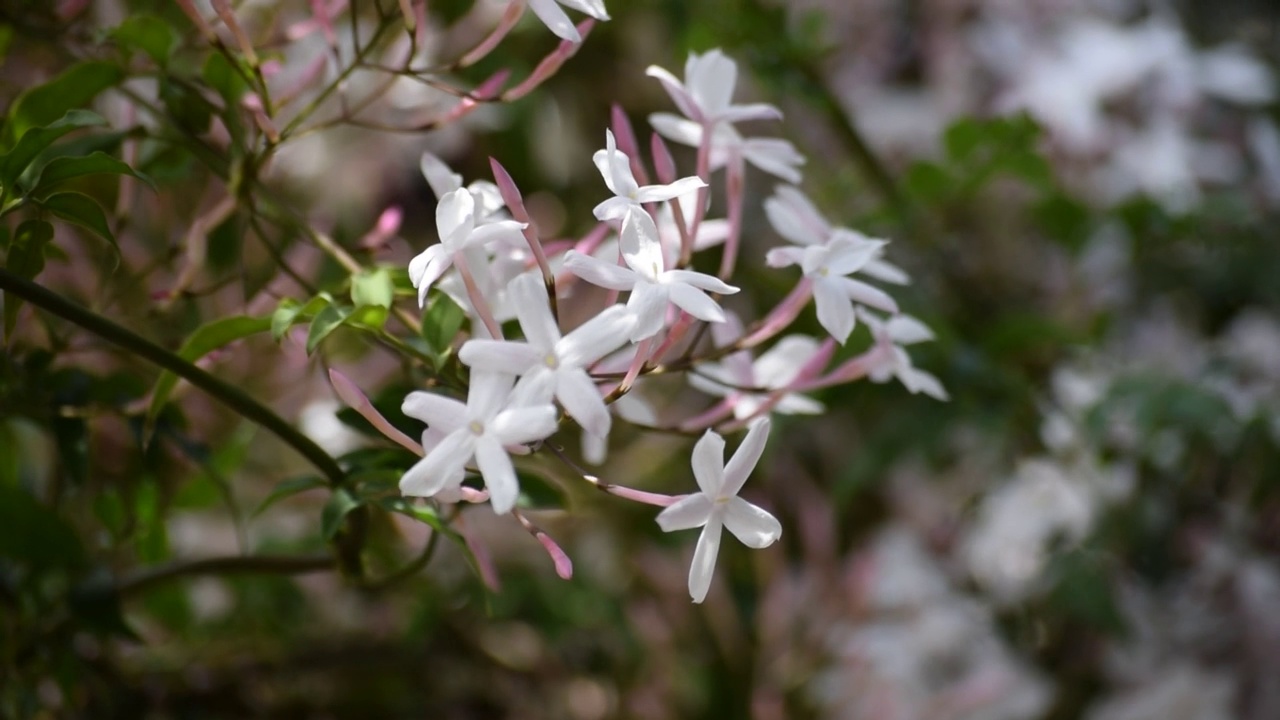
x,y
717,505
828,266
706,95
551,365
652,288
462,240
897,331
629,195
746,383
481,429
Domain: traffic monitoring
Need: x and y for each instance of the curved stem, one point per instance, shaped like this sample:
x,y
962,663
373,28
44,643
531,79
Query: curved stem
x,y
227,394
234,565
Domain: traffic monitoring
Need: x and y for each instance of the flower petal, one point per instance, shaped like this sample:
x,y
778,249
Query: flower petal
x,y
506,232
488,393
648,305
437,411
676,89
427,267
676,129
594,8
751,524
907,330
442,467
596,338
638,241
499,475
695,302
885,271
691,511
752,111
745,457
919,381
702,281
795,217
779,366
501,356
522,425
835,311
784,256
797,404
455,218
710,78
849,251
861,292
439,176
708,463
704,560
662,193
533,308
774,156
598,272
554,18
582,401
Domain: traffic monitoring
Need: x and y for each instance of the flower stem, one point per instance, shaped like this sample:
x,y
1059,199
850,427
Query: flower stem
x,y
234,565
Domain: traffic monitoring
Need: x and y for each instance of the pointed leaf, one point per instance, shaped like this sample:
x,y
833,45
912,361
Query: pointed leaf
x,y
441,324
63,169
149,34
290,487
83,211
289,313
326,321
372,288
37,139
74,88
340,504
204,340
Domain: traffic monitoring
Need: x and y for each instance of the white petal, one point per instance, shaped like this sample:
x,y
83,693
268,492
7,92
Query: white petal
x,y
835,311
437,411
533,307
554,18
598,272
691,511
499,475
695,302
774,156
679,95
745,457
704,380
885,271
582,401
537,387
779,366
488,199
595,450
522,425
639,243
594,8
906,330
699,280
613,209
710,233
751,524
501,356
648,305
795,217
849,252
488,393
662,193
596,338
704,560
919,381
753,111
710,78
796,404
455,217
427,267
866,294
784,256
439,176
677,129
507,232
708,463
441,467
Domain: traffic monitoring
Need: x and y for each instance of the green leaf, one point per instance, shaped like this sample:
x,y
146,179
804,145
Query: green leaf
x,y
290,487
82,210
221,76
204,340
422,513
25,259
325,322
441,323
33,535
37,139
340,504
74,88
372,288
148,34
963,139
289,313
63,169
928,181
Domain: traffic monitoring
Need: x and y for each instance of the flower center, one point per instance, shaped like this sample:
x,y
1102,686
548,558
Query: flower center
x,y
551,361
476,427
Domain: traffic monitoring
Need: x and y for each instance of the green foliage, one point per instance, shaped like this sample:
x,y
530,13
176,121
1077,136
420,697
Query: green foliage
x,y
24,258
147,34
74,88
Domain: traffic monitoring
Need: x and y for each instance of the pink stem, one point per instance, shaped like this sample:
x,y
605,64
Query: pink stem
x,y
712,415
515,202
477,298
781,316
550,64
627,143
734,191
642,354
355,399
508,21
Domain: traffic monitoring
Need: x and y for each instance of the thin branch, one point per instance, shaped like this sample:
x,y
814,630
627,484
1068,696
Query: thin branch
x,y
147,578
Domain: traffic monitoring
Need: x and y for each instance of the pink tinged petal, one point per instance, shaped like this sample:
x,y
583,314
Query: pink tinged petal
x,y
582,401
695,302
598,272
555,19
689,512
753,111
442,467
564,566
533,308
437,411
662,193
506,232
708,463
439,176
638,241
594,8
886,272
679,95
455,217
906,330
835,311
795,404
861,292
499,475
785,256
522,425
648,305
702,281
704,560
751,524
745,457
677,129
501,356
488,393
596,338
774,156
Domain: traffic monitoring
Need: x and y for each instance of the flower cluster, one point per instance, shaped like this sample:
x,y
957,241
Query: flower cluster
x,y
493,263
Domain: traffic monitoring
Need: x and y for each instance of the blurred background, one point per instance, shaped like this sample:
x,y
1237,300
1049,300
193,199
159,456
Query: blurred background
x,y
1085,193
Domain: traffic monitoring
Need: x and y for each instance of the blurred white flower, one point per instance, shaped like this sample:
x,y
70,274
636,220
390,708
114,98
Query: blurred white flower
x,y
706,95
554,18
773,370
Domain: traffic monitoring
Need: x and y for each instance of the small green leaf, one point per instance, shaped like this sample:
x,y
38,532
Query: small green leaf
x,y
422,513
37,139
340,504
928,181
82,210
25,259
441,323
289,313
74,88
221,76
204,340
372,288
63,169
149,34
326,321
963,139
290,487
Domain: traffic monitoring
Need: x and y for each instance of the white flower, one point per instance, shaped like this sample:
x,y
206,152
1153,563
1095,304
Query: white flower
x,y
903,330
795,218
615,167
718,504
772,155
706,95
651,287
554,18
550,365
480,429
443,180
827,266
773,370
459,232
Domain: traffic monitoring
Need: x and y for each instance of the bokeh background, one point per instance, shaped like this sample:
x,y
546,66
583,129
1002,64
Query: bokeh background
x,y
1086,194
